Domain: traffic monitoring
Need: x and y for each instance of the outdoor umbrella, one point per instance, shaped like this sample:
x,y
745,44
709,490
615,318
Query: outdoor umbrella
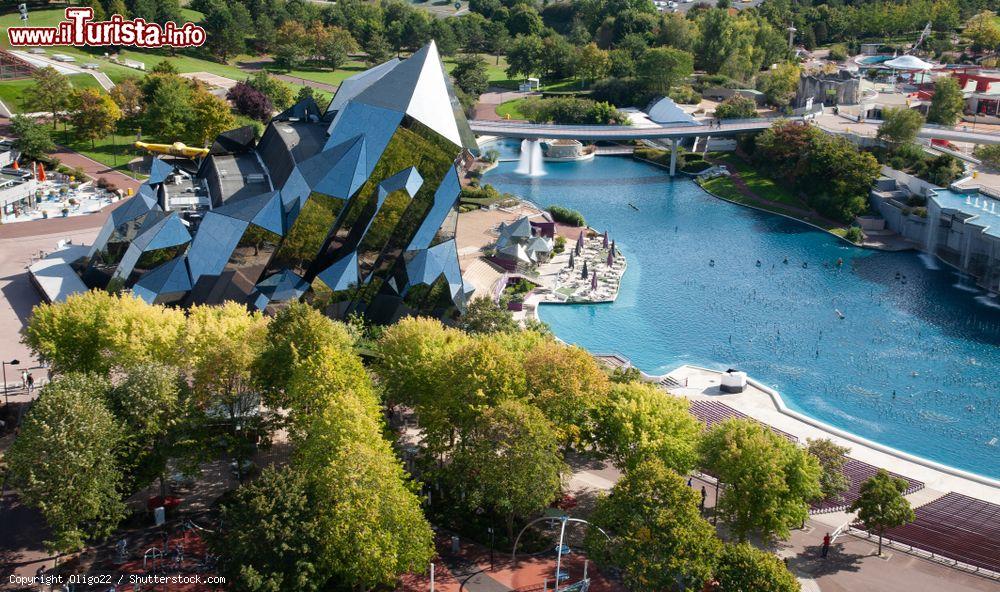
x,y
572,263
584,274
593,281
611,258
605,243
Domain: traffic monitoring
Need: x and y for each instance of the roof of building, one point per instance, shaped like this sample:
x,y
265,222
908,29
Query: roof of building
x,y
665,110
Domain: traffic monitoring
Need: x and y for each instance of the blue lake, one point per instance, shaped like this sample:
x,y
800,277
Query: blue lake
x,y
927,333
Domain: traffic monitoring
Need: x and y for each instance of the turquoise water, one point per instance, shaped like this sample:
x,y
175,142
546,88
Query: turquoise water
x,y
875,59
928,334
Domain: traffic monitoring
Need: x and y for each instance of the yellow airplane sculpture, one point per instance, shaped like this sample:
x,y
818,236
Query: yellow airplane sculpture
x,y
176,149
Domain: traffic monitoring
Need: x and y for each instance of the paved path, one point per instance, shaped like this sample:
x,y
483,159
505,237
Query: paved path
x,y
42,61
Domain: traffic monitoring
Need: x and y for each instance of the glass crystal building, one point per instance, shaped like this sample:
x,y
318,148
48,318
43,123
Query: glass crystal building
x,y
353,208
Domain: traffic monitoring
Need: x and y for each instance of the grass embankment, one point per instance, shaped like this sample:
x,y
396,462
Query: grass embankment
x,y
511,109
12,91
767,194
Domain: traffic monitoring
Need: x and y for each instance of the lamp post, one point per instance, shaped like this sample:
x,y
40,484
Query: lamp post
x,y
3,364
490,530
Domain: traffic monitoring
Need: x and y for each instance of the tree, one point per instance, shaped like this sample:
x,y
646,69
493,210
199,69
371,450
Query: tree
x,y
413,353
377,49
93,114
96,330
128,96
639,421
677,31
566,383
147,401
745,567
736,107
210,116
275,90
881,505
984,32
525,56
336,47
470,74
592,63
483,315
249,101
510,462
270,538
990,155
497,39
297,333
168,111
63,461
947,102
769,482
831,457
292,45
51,90
900,126
663,67
227,27
524,20
370,521
658,537
32,138
779,84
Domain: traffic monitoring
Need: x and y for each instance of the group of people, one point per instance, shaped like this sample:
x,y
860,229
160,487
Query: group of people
x,y
27,381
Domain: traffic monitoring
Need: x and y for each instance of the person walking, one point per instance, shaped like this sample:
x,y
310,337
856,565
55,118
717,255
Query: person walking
x,y
826,545
689,481
24,379
31,382
704,494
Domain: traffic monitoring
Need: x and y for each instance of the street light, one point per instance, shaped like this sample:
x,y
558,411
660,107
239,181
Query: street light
x,y
4,363
490,530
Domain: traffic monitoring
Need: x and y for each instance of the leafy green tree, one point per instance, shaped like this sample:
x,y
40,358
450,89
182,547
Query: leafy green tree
x,y
947,102
881,505
592,63
639,421
745,567
677,31
984,32
227,28
370,520
148,402
990,155
210,116
470,74
525,56
93,114
566,383
510,462
779,84
524,20
96,330
497,39
168,110
128,96
335,47
292,45
900,126
736,107
32,138
658,537
832,458
485,316
412,356
50,91
661,68
769,482
377,49
715,42
270,538
558,58
63,461
275,90
294,335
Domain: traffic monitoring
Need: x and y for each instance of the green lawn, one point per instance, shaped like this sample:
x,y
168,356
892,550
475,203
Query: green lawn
x,y
112,151
758,183
511,108
726,189
11,91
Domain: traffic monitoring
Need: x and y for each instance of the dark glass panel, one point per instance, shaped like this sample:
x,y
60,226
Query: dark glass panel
x,y
152,259
305,238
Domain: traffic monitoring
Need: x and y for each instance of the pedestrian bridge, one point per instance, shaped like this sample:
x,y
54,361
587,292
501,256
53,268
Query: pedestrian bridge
x,y
593,133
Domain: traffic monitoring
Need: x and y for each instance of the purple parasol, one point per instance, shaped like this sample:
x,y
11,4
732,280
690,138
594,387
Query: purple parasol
x,y
605,243
584,273
593,281
611,258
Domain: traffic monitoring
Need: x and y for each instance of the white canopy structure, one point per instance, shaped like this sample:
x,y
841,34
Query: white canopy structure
x,y
908,62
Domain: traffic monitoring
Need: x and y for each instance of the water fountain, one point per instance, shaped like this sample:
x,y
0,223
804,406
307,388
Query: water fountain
x,y
530,161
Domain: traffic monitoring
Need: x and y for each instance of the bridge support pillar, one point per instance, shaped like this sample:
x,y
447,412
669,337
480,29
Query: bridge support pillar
x,y
673,156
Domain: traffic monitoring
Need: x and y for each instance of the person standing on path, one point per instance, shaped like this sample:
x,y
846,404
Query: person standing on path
x,y
31,382
826,545
704,494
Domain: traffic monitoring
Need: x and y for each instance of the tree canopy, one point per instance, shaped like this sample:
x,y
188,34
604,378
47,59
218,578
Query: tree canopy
x,y
881,505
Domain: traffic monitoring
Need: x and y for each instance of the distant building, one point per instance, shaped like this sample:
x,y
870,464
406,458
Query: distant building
x,y
981,91
840,88
522,244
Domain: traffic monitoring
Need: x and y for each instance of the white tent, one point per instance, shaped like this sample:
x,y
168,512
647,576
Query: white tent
x,y
908,62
